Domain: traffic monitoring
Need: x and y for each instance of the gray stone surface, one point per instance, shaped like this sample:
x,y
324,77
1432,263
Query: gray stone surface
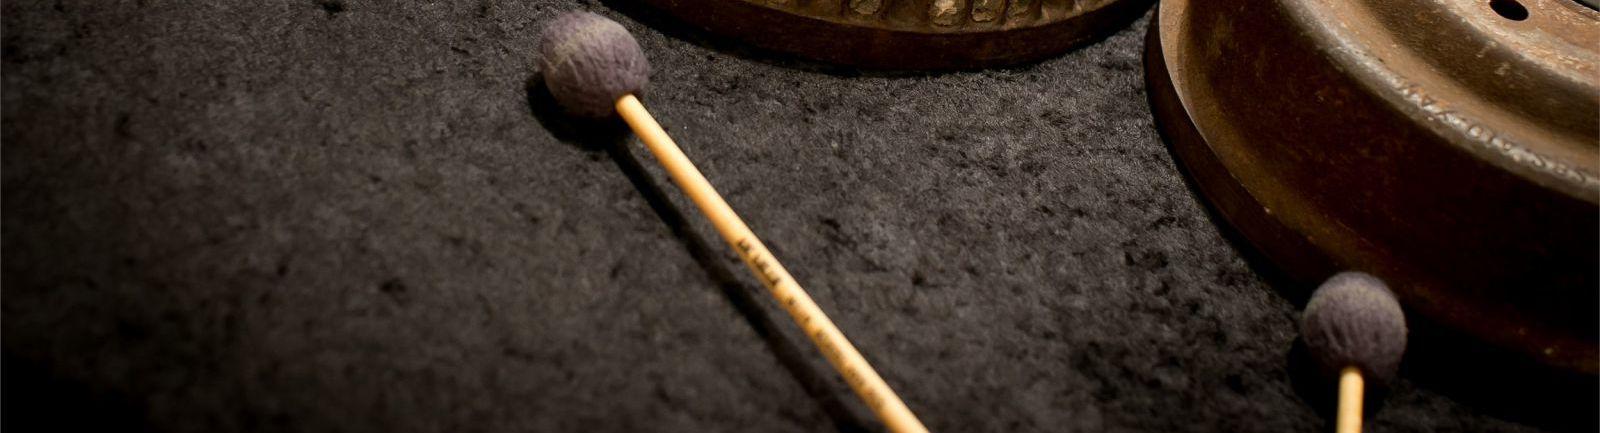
x,y
346,216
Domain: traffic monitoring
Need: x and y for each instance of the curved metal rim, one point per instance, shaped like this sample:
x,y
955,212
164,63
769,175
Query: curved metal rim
x,y
1470,131
1287,249
899,49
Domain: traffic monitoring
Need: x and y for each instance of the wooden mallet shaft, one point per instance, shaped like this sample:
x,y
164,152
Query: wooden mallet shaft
x,y
1351,392
851,365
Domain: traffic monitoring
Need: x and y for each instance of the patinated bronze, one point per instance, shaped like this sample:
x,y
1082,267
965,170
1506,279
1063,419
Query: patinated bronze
x,y
1447,147
911,34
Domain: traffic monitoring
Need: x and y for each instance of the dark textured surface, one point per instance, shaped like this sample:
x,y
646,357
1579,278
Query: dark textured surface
x,y
1353,320
345,216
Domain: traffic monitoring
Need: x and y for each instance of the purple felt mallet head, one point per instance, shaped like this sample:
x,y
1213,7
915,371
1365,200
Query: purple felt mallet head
x,y
589,61
1353,320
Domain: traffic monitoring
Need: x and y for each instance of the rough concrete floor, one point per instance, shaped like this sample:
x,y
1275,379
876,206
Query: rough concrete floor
x,y
358,216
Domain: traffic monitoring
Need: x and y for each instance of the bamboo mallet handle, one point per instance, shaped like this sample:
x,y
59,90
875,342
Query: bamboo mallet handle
x,y
827,337
1351,392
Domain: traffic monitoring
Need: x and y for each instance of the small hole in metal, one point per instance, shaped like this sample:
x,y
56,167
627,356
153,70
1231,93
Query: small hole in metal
x,y
1509,9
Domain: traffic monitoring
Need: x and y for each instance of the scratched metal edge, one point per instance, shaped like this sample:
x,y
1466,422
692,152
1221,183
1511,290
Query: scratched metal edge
x,y
880,48
1462,127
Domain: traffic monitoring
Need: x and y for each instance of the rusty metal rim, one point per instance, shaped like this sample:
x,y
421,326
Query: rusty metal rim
x,y
1287,248
1518,155
873,47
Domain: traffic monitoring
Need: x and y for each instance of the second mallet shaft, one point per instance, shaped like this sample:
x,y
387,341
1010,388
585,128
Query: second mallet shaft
x,y
845,358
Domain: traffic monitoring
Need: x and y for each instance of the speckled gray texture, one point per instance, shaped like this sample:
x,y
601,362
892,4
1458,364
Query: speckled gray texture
x,y
345,216
589,61
1353,320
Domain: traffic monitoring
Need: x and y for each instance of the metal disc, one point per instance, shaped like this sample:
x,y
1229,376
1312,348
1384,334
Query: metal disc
x,y
911,34
1447,147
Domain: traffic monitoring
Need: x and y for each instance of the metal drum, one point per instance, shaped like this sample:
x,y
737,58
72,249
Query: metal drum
x,y
1450,147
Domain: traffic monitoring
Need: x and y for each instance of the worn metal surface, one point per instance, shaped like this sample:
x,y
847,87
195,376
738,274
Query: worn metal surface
x,y
911,34
1448,147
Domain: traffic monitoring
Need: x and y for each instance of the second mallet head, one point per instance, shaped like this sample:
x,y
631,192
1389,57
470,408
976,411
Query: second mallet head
x,y
1353,320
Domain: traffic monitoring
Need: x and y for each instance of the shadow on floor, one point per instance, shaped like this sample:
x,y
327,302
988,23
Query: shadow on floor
x,y
35,399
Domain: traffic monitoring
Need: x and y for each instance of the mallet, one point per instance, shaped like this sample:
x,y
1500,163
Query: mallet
x,y
1353,327
593,68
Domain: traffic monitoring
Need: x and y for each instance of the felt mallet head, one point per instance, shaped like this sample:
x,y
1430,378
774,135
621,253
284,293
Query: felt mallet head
x,y
589,61
1353,320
